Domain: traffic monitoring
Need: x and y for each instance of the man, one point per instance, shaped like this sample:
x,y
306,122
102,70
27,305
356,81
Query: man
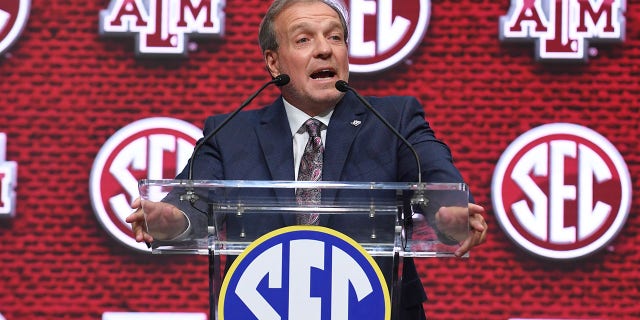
x,y
307,40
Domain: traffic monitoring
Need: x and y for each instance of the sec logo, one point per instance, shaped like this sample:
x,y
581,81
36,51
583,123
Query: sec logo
x,y
152,148
561,191
13,17
307,273
384,32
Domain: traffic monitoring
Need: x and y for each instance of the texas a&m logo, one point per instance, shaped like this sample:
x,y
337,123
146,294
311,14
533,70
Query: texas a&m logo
x,y
152,148
8,181
13,17
161,27
306,273
562,29
561,191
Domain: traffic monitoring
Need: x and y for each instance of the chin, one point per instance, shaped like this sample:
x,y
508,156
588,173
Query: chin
x,y
329,98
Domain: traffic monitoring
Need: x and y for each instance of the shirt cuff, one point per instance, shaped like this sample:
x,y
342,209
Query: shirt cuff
x,y
186,233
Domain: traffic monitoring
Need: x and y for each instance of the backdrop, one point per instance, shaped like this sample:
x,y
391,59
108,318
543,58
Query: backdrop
x,y
64,90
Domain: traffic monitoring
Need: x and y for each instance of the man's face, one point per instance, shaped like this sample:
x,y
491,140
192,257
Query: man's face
x,y
313,52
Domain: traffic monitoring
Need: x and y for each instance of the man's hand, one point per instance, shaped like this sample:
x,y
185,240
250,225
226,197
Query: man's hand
x,y
163,221
452,221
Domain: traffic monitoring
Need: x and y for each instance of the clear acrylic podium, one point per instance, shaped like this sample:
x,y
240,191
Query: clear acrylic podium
x,y
390,221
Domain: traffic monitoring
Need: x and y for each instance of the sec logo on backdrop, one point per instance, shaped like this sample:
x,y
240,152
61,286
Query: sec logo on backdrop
x,y
152,148
561,191
13,18
384,32
306,273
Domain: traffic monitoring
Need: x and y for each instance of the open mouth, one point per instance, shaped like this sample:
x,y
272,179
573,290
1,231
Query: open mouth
x,y
323,74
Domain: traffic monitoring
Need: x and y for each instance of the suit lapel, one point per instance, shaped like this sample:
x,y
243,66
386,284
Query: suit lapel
x,y
275,140
346,121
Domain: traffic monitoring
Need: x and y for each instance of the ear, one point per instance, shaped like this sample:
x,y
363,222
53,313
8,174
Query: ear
x,y
271,59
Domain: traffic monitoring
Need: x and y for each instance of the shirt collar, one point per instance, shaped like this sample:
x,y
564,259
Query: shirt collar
x,y
297,117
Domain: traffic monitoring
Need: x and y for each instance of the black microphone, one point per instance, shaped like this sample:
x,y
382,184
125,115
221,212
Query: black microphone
x,y
190,194
343,86
418,198
280,80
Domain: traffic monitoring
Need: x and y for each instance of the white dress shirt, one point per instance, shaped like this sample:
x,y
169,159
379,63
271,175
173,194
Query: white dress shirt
x,y
299,134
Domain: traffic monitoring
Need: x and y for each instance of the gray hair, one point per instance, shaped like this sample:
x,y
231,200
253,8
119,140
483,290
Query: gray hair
x,y
267,33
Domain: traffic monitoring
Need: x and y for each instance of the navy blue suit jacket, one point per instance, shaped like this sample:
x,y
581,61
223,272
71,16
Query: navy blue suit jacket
x,y
257,145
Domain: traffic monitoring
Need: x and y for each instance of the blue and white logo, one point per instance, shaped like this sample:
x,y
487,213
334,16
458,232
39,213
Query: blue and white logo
x,y
304,272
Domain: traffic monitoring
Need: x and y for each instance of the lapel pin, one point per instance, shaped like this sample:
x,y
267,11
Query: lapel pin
x,y
356,123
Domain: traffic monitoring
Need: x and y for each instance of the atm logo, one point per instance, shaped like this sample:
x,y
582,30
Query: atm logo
x,y
8,181
304,272
562,29
162,27
561,191
151,148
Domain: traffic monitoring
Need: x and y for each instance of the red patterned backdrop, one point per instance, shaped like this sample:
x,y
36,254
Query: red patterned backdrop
x,y
64,90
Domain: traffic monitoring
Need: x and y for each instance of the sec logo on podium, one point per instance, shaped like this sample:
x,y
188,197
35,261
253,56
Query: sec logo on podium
x,y
304,272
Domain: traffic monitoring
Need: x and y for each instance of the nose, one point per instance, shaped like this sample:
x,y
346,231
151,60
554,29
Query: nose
x,y
322,49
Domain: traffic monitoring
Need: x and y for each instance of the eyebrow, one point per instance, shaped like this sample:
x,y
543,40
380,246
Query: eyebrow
x,y
305,25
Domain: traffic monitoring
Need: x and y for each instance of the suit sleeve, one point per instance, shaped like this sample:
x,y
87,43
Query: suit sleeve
x,y
435,159
206,166
435,156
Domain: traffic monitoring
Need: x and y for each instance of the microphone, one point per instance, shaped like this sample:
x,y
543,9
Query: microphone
x,y
343,86
418,199
190,194
280,80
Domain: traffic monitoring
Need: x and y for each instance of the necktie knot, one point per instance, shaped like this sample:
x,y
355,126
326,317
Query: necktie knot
x,y
313,127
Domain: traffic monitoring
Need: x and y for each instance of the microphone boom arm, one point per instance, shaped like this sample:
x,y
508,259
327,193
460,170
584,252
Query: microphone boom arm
x,y
279,81
344,87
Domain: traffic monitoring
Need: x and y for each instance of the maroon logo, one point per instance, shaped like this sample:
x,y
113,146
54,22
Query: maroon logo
x,y
384,32
561,191
13,17
152,148
161,27
562,29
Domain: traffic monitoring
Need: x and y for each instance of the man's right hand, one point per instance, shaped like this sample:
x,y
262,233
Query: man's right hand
x,y
163,221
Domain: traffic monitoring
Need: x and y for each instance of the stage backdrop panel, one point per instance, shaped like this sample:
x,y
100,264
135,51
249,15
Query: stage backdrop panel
x,y
65,90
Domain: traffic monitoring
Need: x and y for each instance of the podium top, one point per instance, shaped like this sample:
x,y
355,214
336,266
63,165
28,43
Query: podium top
x,y
275,184
384,217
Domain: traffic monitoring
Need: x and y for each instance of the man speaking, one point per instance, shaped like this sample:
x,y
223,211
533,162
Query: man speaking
x,y
314,131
